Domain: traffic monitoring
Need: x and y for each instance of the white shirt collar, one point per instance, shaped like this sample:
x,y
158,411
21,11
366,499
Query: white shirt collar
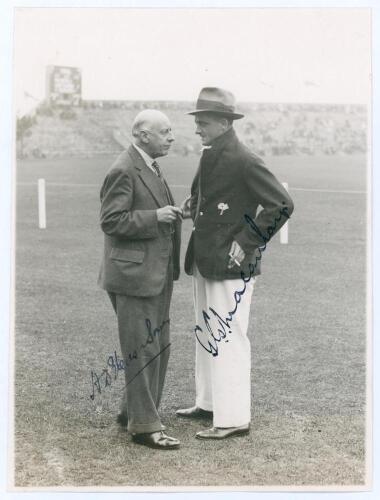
x,y
148,160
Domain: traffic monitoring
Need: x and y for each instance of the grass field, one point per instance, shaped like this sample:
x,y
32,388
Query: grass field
x,y
307,331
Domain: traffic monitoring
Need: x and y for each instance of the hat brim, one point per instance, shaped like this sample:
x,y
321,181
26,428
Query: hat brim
x,y
233,116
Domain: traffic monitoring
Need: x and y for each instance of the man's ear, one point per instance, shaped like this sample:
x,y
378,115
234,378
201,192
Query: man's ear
x,y
224,122
144,137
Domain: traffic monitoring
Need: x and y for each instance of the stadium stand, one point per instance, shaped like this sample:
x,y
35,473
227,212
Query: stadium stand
x,y
103,127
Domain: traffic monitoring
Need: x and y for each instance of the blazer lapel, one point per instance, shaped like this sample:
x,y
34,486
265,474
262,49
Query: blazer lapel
x,y
171,199
149,179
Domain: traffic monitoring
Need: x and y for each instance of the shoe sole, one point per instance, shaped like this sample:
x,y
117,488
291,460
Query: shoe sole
x,y
234,434
164,448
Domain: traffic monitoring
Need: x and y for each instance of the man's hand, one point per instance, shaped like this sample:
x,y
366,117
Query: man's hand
x,y
185,207
168,214
236,254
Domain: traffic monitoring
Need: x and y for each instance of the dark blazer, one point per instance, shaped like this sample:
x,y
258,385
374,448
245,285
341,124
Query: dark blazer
x,y
136,247
230,174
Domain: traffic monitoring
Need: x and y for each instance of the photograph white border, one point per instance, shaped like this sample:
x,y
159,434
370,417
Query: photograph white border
x,y
7,255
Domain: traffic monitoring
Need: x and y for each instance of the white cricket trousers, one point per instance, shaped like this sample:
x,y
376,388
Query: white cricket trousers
x,y
223,382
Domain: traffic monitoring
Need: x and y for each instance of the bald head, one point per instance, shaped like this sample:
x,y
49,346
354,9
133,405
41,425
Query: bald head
x,y
152,132
148,119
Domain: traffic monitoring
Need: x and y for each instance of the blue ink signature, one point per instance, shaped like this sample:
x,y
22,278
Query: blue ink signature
x,y
115,364
225,323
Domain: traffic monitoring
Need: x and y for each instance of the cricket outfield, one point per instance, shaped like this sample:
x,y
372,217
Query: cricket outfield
x,y
307,329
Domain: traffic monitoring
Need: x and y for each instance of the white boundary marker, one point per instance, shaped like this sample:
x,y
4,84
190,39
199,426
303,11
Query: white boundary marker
x,y
284,231
41,204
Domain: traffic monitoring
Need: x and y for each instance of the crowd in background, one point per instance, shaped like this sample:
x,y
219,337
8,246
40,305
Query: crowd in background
x,y
268,129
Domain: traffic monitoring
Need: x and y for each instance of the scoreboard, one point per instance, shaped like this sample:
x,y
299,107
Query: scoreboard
x,y
63,86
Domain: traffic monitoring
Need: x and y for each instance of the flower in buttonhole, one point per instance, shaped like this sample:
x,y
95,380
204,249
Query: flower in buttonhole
x,y
222,207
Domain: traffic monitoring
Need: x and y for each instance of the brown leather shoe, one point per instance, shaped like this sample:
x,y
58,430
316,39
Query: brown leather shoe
x,y
222,433
157,440
194,412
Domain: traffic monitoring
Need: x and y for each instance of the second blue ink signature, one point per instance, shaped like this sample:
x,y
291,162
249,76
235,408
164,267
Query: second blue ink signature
x,y
225,323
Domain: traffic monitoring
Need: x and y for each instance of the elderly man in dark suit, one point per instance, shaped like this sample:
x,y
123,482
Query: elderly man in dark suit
x,y
141,228
224,256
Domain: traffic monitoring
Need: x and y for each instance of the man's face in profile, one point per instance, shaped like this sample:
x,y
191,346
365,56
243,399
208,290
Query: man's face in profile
x,y
160,138
209,126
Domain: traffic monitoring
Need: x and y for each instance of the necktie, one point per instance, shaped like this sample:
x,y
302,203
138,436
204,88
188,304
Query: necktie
x,y
156,168
159,175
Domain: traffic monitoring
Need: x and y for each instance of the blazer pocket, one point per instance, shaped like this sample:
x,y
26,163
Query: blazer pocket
x,y
125,255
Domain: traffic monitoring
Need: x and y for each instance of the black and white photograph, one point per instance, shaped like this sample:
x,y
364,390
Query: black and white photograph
x,y
191,272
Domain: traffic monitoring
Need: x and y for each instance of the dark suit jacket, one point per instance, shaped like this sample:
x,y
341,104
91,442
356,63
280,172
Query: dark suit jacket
x,y
136,246
231,174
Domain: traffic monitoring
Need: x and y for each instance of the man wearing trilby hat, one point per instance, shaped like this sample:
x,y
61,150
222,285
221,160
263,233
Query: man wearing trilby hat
x,y
224,255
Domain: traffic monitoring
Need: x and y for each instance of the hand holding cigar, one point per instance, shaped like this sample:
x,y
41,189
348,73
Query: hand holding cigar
x,y
236,255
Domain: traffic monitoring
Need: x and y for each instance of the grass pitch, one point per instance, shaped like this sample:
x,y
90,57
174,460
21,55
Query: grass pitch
x,y
307,331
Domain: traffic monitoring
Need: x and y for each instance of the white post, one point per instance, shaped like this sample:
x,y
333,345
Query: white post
x,y
284,231
41,204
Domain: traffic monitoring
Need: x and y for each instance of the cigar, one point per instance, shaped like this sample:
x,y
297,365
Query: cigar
x,y
236,261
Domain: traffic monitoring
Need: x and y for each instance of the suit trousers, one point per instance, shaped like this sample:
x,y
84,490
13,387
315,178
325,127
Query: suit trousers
x,y
223,381
144,333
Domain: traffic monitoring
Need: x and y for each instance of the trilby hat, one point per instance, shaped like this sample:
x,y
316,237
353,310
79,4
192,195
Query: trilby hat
x,y
216,100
